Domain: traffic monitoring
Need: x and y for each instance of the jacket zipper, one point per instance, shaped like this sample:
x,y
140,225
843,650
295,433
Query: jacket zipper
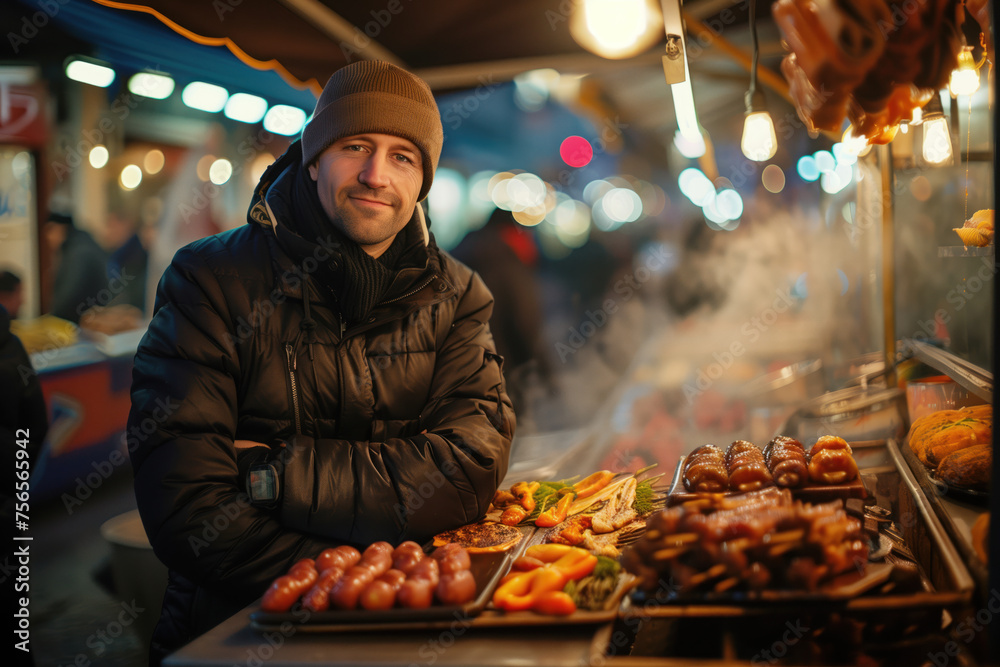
x,y
292,366
410,293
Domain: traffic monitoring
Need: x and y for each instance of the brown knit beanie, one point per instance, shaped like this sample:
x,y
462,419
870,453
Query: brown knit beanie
x,y
375,96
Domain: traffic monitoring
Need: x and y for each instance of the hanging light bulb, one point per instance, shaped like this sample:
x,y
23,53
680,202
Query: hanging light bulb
x,y
965,78
937,135
759,142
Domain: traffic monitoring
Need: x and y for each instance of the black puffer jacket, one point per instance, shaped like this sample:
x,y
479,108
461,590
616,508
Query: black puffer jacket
x,y
407,422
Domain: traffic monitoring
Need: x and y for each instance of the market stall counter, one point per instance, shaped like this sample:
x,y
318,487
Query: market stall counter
x,y
235,642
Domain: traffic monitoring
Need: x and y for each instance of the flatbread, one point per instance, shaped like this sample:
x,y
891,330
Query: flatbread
x,y
481,537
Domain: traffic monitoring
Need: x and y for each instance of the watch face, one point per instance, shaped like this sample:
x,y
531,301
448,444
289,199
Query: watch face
x,y
263,484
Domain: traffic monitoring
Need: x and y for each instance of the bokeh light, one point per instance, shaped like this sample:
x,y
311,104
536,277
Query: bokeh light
x,y
131,177
98,156
576,151
221,171
773,178
807,168
153,161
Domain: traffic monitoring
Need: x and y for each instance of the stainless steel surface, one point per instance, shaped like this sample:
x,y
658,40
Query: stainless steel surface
x,y
234,642
853,413
977,380
953,562
791,385
888,272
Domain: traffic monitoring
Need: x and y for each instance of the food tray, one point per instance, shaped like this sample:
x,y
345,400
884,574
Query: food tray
x,y
492,617
945,580
487,569
813,493
950,503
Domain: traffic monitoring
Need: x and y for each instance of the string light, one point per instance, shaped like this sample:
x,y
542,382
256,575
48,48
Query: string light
x,y
965,78
936,148
759,142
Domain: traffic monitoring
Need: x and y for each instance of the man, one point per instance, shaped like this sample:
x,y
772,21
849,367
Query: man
x,y
333,323
11,293
80,268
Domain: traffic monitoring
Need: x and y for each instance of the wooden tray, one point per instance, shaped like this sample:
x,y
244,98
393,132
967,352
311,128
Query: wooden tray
x,y
813,493
486,568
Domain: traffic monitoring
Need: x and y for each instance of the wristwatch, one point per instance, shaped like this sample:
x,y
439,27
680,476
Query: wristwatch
x,y
264,484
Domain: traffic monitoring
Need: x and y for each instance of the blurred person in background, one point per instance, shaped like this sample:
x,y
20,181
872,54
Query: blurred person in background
x,y
129,263
11,293
305,375
505,254
80,268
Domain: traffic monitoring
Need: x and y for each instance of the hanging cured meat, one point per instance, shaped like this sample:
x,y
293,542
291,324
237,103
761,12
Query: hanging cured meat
x,y
870,61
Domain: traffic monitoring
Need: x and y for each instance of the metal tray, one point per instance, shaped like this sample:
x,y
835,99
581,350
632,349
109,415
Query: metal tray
x,y
492,617
945,578
813,493
950,504
486,568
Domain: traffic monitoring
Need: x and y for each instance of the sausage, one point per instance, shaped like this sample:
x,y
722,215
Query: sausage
x,y
406,556
705,470
746,467
415,594
381,593
427,569
345,593
377,557
343,557
317,598
285,590
786,459
456,588
451,558
408,546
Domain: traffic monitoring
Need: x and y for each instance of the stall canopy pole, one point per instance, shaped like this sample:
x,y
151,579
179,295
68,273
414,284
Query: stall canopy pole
x,y
888,266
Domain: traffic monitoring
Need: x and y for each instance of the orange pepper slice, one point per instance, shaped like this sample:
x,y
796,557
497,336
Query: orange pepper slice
x,y
555,514
522,591
591,484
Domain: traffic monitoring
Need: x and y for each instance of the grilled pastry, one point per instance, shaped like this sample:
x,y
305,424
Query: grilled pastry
x,y
786,459
746,467
831,461
705,470
940,433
